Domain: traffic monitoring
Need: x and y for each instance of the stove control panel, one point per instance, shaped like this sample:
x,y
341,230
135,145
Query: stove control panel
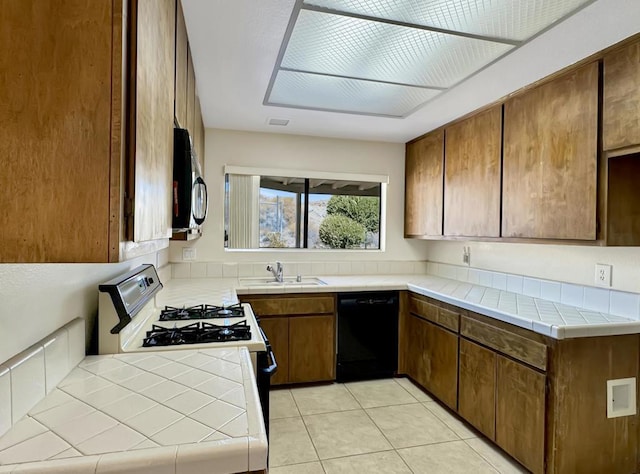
x,y
130,292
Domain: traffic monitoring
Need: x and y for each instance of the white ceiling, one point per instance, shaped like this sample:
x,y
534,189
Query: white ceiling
x,y
235,45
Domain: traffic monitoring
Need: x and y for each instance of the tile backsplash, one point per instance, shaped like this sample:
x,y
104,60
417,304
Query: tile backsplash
x,y
618,303
602,300
234,270
26,378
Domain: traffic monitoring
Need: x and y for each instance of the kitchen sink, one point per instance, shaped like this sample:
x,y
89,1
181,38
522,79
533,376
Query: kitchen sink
x,y
265,281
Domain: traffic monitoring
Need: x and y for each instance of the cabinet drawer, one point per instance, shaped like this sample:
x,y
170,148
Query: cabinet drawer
x,y
275,306
514,345
435,314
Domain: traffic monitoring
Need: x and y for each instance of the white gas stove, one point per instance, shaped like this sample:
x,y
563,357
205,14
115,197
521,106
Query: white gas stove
x,y
136,315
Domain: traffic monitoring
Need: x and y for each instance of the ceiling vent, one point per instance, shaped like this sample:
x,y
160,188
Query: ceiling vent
x,y
278,122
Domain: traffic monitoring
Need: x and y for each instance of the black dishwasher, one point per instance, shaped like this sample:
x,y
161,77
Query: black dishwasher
x,y
367,335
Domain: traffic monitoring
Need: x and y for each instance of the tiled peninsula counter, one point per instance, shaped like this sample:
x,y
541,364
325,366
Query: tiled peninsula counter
x,y
188,411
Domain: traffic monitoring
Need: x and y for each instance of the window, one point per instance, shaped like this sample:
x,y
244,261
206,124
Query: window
x,y
275,211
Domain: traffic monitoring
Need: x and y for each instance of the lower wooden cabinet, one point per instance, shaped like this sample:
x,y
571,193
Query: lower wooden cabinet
x,y
520,412
477,396
312,350
504,400
302,333
432,358
542,400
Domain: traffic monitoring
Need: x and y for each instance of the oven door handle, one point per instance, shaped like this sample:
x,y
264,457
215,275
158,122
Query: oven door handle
x,y
271,369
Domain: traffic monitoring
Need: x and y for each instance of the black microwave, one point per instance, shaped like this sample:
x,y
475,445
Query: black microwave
x,y
190,199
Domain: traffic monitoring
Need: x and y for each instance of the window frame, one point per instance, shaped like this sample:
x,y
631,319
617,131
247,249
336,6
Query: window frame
x,y
382,180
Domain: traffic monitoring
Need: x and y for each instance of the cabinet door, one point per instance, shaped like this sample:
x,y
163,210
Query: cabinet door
x,y
56,111
472,175
312,349
621,105
191,94
198,133
550,159
477,396
423,186
181,68
154,86
277,331
440,363
414,338
520,413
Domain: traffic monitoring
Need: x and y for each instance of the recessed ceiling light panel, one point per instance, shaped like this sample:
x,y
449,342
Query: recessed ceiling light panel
x,y
389,57
352,47
320,92
508,19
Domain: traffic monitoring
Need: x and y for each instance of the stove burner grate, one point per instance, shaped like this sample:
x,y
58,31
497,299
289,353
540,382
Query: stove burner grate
x,y
202,311
196,333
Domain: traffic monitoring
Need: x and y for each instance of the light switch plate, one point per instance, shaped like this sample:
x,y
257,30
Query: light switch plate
x,y
603,275
188,253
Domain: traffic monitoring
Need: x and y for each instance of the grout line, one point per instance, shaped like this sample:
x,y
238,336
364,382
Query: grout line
x,y
315,450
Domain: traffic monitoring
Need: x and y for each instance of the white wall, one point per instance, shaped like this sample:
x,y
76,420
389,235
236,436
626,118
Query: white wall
x,y
37,299
225,147
569,263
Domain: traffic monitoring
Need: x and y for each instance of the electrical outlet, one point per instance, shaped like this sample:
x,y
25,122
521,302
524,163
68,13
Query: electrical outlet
x,y
603,275
466,255
188,253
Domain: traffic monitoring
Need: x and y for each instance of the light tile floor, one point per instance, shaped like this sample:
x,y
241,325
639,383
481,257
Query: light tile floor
x,y
385,426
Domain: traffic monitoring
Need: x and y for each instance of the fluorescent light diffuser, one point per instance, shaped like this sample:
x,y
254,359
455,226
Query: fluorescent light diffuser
x,y
389,57
508,19
346,95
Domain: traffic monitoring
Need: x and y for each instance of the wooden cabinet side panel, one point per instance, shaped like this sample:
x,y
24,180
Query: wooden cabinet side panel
x,y
424,185
312,348
520,413
154,119
581,437
550,159
472,175
403,333
621,103
181,68
477,392
55,91
277,331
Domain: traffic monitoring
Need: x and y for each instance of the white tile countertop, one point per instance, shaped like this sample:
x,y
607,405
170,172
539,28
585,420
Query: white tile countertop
x,y
187,411
549,317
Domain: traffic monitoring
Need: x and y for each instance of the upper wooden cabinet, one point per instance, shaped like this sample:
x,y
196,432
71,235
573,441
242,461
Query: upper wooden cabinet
x,y
621,103
187,103
153,131
550,159
423,185
472,176
67,120
182,48
60,163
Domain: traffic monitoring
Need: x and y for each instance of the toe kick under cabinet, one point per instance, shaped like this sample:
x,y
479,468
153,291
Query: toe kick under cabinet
x,y
302,332
542,400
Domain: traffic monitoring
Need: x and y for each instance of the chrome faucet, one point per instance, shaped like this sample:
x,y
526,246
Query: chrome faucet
x,y
277,272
